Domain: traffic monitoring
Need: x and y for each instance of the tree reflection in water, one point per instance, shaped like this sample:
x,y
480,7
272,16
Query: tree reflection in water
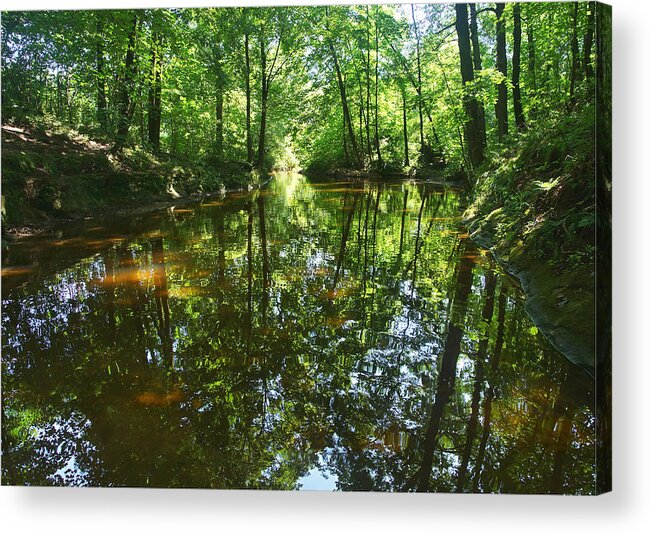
x,y
346,329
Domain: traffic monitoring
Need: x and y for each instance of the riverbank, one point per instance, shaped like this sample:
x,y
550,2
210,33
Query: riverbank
x,y
534,207
52,174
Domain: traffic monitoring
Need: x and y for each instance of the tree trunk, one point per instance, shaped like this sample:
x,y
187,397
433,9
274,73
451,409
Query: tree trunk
x,y
587,42
377,119
345,143
346,112
59,108
101,81
154,115
575,74
219,121
125,101
404,127
476,57
419,87
501,106
472,127
247,72
531,53
264,94
515,75
368,85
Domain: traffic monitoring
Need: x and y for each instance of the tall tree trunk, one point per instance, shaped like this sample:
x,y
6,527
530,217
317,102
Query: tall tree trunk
x,y
68,98
419,86
219,105
587,41
59,107
264,95
377,118
476,58
154,114
575,73
125,101
101,80
247,75
345,143
501,106
346,112
472,127
404,126
369,151
361,110
219,121
515,75
531,54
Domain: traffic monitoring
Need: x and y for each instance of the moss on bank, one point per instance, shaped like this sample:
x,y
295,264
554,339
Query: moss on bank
x,y
51,173
534,206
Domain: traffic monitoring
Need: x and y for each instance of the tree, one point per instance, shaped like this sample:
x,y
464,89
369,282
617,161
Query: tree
x,y
126,101
347,86
515,78
348,125
473,134
501,106
276,49
247,78
587,41
101,75
575,74
477,63
154,115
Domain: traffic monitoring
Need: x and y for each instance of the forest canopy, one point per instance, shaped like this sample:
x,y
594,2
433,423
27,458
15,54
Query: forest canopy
x,y
371,86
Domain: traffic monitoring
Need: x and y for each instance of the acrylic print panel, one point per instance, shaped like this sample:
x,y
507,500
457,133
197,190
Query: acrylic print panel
x,y
309,247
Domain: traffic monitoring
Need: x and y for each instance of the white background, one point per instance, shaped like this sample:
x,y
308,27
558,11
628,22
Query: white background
x,y
624,511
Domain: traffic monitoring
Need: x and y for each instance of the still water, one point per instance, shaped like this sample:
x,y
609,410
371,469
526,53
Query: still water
x,y
313,335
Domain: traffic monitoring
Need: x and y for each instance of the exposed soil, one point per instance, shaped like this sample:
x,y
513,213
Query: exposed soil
x,y
49,177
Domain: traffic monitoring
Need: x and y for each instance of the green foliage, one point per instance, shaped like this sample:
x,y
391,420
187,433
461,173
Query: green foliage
x,y
540,192
291,54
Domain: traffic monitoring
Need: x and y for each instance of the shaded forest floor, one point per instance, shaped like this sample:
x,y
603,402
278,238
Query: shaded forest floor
x,y
51,173
534,206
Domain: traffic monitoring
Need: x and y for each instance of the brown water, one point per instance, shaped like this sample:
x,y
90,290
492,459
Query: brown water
x,y
313,335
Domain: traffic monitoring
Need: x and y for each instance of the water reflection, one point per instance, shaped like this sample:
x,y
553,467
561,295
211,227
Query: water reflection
x,y
326,335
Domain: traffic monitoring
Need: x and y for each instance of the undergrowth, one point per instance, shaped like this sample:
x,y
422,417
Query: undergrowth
x,y
51,171
540,192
